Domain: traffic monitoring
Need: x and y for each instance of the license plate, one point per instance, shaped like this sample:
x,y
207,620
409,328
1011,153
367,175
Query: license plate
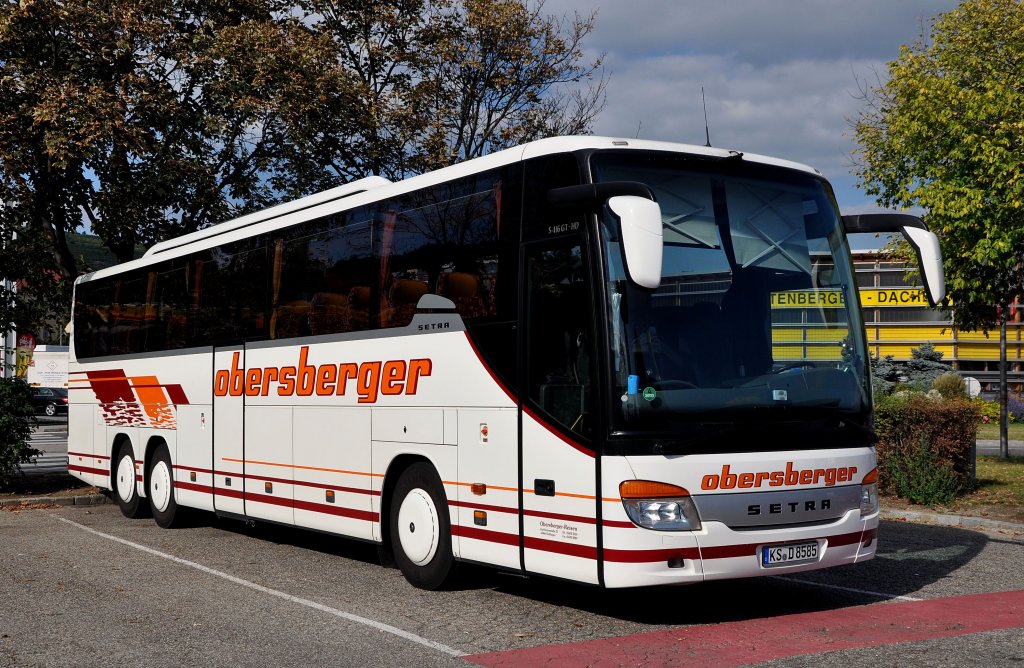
x,y
786,555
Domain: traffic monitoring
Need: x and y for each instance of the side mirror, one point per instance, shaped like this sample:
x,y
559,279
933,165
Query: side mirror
x,y
924,243
640,231
639,216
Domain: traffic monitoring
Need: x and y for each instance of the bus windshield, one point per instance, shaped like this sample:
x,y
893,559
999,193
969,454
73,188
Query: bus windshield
x,y
756,320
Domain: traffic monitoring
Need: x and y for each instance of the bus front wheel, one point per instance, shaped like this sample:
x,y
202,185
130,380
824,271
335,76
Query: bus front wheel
x,y
421,534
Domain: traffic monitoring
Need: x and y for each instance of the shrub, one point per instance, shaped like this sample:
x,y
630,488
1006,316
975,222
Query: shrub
x,y
16,424
914,475
925,445
950,386
1015,405
989,410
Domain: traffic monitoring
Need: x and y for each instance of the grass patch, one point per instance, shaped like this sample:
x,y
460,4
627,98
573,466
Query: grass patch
x,y
990,431
1000,481
999,493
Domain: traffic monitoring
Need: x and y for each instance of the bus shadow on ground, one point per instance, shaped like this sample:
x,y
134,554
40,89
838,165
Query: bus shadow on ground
x,y
910,557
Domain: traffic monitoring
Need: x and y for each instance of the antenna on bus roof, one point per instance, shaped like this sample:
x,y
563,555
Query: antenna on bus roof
x,y
707,132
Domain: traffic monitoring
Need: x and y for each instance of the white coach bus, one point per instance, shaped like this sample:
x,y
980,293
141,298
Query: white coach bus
x,y
561,359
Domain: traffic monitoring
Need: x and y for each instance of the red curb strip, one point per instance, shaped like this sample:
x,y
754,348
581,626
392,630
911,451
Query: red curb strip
x,y
756,640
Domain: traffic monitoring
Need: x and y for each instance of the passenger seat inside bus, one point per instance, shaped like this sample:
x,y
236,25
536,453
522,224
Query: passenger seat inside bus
x,y
464,291
405,295
329,312
290,319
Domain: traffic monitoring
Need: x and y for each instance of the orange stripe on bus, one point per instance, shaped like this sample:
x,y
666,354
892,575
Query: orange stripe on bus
x,y
381,475
303,468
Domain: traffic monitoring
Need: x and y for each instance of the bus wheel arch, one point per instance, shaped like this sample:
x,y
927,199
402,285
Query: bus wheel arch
x,y
124,480
418,525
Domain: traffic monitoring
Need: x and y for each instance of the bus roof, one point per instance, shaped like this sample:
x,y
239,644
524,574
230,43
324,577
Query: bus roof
x,y
373,188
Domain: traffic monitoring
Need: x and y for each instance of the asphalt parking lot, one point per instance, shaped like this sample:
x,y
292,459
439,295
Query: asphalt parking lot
x,y
84,586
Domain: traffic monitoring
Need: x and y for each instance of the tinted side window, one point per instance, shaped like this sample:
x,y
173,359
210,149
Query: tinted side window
x,y
447,241
92,324
231,285
321,282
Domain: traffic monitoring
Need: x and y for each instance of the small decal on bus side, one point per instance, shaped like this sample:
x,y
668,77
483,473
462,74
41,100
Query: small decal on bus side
x,y
372,379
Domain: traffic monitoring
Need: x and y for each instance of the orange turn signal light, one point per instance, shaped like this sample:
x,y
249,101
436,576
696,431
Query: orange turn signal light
x,y
478,488
647,489
871,478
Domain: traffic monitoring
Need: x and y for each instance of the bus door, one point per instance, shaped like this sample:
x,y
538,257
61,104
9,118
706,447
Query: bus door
x,y
559,497
229,430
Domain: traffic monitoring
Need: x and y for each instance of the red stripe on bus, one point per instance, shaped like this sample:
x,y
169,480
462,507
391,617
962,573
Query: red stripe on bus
x,y
176,394
88,469
179,467
528,513
222,491
558,547
192,487
649,556
618,524
340,511
750,549
486,535
317,485
283,481
82,454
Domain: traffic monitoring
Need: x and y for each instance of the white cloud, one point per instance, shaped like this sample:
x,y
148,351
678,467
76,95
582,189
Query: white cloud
x,y
780,78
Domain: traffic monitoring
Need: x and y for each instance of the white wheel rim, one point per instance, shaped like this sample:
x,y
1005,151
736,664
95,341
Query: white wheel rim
x,y
418,527
126,478
160,486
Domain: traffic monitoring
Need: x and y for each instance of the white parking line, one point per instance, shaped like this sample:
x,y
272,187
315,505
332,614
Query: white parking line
x,y
380,626
849,589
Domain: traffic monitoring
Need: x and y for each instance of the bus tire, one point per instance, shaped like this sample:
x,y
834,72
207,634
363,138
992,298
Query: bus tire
x,y
421,534
160,489
126,488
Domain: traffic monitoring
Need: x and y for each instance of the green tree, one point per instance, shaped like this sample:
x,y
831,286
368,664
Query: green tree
x,y
444,81
148,119
151,118
16,424
945,133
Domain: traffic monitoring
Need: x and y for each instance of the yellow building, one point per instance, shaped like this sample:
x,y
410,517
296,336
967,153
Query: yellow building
x,y
897,319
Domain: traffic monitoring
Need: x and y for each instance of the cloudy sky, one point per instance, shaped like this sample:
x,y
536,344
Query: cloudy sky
x,y
780,76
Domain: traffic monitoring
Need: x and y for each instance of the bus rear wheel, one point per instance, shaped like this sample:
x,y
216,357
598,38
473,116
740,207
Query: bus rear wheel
x,y
421,534
160,489
126,489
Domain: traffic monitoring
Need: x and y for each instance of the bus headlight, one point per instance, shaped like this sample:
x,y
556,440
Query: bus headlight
x,y
659,506
869,494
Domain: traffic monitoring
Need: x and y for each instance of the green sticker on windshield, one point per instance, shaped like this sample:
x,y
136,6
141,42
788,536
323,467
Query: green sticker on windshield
x,y
649,393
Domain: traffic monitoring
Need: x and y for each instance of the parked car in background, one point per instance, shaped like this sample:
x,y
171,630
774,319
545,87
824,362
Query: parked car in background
x,y
50,400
